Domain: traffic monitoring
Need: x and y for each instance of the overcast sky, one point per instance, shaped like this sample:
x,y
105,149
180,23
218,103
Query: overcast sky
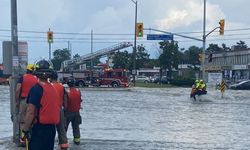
x,y
117,16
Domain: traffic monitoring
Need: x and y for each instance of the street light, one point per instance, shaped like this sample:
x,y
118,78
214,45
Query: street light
x,y
134,49
204,42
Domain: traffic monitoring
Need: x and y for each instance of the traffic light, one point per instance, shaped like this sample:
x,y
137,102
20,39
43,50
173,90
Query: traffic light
x,y
222,25
50,36
139,29
210,57
200,57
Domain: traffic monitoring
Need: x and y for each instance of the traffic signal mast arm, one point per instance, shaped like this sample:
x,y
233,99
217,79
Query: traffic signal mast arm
x,y
184,36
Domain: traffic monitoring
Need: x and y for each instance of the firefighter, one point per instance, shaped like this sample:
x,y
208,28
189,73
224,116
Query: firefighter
x,y
194,89
202,88
22,89
61,131
72,113
43,111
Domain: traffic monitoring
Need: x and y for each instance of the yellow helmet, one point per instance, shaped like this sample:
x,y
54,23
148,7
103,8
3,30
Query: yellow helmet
x,y
30,67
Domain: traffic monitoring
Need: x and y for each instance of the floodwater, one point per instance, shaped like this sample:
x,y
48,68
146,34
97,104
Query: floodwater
x,y
161,119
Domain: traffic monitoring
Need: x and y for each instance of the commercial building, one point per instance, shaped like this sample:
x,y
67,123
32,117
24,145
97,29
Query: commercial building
x,y
234,64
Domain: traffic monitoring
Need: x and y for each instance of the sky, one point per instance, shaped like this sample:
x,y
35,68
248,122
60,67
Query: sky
x,y
112,21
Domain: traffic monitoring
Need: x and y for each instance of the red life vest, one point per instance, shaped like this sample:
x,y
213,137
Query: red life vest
x,y
49,112
74,100
60,90
29,80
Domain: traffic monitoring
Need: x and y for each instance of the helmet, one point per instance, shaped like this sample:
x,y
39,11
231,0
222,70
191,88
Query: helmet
x,y
196,81
54,75
43,69
71,82
201,81
30,67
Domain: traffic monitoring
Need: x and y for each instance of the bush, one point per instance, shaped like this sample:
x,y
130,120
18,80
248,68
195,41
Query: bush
x,y
182,81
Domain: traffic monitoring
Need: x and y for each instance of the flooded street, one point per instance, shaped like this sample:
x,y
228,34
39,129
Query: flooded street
x,y
165,118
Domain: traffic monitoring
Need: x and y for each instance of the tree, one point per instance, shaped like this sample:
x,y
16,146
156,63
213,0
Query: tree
x,y
240,45
169,58
213,48
152,63
60,55
76,56
125,59
191,56
142,57
224,47
121,60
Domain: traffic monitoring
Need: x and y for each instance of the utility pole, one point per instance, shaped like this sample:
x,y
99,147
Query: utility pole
x,y
69,49
91,65
15,71
49,48
204,42
134,49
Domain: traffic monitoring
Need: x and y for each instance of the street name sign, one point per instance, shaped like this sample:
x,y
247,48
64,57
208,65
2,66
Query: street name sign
x,y
160,37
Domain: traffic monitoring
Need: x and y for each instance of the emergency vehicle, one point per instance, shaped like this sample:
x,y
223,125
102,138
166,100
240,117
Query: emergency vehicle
x,y
97,77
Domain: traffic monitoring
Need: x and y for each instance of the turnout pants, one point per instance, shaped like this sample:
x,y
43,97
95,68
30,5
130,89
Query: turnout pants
x,y
76,120
42,137
61,129
22,110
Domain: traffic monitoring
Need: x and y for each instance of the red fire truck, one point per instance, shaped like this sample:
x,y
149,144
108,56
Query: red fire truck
x,y
98,77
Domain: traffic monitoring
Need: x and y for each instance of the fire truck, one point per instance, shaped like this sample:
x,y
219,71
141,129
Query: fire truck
x,y
97,77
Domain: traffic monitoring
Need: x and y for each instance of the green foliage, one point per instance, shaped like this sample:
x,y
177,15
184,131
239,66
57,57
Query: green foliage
x,y
169,58
152,63
153,85
125,59
182,81
191,56
60,55
76,56
241,45
142,57
121,60
213,48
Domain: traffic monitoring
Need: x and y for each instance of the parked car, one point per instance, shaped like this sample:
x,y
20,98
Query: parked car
x,y
243,85
164,80
143,79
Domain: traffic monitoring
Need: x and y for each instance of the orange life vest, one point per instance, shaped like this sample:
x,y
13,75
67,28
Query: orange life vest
x,y
49,112
74,100
60,91
29,80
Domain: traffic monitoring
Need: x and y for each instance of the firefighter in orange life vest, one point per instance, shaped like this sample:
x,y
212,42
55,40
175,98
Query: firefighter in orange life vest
x,y
61,131
43,111
72,112
22,89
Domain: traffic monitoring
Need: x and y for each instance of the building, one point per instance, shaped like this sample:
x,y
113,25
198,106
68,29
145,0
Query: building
x,y
234,65
148,71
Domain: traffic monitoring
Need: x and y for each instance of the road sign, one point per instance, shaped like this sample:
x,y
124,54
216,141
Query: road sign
x,y
222,86
160,37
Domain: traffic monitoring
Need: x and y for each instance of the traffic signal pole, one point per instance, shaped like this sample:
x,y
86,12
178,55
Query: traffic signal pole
x,y
134,49
204,42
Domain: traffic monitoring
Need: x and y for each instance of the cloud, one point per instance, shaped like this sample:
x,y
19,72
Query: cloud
x,y
191,12
101,20
39,13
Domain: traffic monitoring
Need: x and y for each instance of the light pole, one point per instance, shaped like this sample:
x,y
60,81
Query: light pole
x,y
134,49
204,42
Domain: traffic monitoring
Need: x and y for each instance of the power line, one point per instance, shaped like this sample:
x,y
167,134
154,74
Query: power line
x,y
79,33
